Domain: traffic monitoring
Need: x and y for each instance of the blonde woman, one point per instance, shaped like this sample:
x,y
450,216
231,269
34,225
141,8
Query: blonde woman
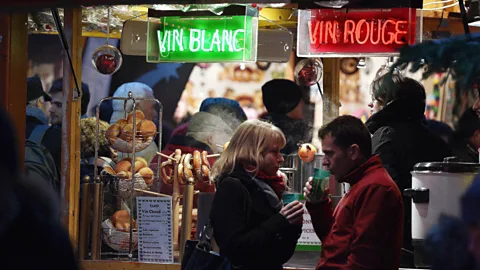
x,y
251,226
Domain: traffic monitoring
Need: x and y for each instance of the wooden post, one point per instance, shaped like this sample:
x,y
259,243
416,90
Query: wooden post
x,y
176,201
70,173
13,71
187,208
331,89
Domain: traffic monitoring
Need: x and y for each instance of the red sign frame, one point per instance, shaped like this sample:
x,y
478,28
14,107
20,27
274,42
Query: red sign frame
x,y
323,32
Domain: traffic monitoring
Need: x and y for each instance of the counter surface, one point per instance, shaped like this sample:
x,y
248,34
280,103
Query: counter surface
x,y
117,265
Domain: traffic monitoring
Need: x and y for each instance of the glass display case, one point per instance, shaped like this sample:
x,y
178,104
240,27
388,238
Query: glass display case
x,y
108,201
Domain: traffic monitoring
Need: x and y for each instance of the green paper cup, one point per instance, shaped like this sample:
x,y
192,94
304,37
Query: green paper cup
x,y
290,197
319,184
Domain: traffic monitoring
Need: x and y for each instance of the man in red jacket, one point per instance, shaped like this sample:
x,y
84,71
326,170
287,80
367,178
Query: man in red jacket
x,y
365,231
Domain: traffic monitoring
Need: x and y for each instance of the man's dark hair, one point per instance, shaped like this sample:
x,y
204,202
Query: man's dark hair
x,y
348,130
57,87
386,89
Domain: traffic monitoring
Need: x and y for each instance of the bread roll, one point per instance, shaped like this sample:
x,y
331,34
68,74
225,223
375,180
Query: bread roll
x,y
138,166
141,160
113,132
123,165
127,133
122,123
122,174
121,219
146,128
147,175
140,163
139,117
110,170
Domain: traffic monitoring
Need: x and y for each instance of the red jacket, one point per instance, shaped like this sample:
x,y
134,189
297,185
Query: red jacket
x,y
187,145
365,231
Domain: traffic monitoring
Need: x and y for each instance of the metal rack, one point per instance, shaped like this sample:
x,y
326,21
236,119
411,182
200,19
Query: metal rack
x,y
99,181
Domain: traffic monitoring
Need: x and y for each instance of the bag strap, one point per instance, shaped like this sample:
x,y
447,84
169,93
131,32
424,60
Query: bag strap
x,y
206,234
38,133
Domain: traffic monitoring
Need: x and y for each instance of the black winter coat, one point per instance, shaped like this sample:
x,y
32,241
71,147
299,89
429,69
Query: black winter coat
x,y
250,232
52,140
31,234
464,151
402,140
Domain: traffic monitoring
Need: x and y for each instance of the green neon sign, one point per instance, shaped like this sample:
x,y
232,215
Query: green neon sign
x,y
202,39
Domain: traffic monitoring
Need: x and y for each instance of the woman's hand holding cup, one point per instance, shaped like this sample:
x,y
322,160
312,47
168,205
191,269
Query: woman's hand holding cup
x,y
293,212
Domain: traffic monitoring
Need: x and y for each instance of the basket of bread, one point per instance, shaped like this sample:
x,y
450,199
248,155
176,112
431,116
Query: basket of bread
x,y
120,135
116,232
123,174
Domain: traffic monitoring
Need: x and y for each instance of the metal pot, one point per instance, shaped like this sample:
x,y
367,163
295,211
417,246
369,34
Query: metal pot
x,y
436,189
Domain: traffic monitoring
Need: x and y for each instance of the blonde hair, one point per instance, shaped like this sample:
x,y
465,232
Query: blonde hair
x,y
248,146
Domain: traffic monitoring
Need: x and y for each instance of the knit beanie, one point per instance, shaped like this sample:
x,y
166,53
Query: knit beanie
x,y
281,96
223,104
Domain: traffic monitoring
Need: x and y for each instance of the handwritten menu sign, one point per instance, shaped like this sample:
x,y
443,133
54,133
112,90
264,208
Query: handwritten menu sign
x,y
308,239
154,217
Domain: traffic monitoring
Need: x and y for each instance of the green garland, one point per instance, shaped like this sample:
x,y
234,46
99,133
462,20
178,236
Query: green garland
x,y
460,56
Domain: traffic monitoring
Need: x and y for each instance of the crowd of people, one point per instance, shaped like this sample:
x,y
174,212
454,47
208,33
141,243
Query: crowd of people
x,y
370,228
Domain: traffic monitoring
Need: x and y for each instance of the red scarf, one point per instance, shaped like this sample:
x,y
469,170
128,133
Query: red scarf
x,y
275,182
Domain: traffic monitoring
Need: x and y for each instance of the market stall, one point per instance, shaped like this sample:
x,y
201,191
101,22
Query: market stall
x,y
320,34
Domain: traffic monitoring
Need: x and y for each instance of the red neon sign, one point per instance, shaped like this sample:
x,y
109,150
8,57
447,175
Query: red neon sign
x,y
329,31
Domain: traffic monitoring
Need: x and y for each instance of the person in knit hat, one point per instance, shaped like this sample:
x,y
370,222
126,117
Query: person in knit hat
x,y
283,100
470,213
217,106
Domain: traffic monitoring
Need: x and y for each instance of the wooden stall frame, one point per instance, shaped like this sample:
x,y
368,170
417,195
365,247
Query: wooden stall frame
x,y
13,71
70,184
331,89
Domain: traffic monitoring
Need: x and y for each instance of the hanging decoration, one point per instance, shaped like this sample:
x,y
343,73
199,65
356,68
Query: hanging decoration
x,y
308,71
349,65
458,56
107,59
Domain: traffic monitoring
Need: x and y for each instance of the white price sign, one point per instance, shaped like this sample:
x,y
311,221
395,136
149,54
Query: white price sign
x,y
154,221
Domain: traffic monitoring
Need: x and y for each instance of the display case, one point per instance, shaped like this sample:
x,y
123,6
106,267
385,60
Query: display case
x,y
109,200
